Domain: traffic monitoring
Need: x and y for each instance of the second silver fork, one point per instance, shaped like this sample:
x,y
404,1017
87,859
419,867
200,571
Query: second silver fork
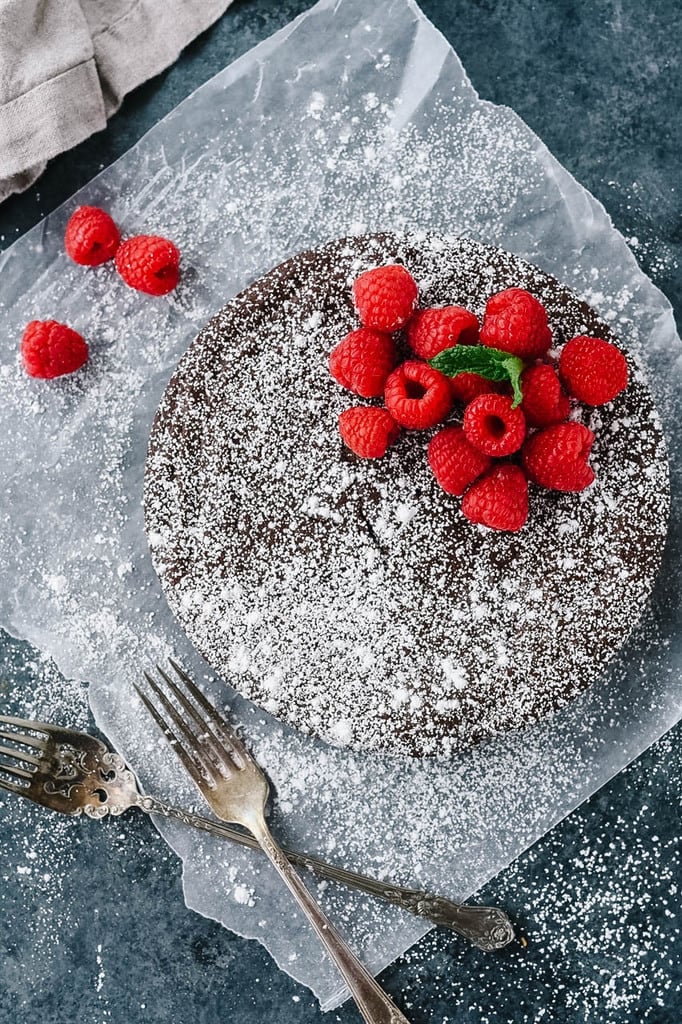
x,y
236,789
73,772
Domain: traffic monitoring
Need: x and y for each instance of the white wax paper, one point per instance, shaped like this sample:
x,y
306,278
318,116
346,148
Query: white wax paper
x,y
354,118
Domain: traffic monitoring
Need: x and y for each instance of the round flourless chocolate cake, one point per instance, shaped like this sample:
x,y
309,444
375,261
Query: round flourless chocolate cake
x,y
350,597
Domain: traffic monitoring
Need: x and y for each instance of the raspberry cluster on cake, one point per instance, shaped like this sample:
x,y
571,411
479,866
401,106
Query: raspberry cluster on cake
x,y
351,597
500,371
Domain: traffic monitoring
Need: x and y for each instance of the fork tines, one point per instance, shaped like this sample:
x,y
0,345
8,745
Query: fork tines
x,y
202,739
18,767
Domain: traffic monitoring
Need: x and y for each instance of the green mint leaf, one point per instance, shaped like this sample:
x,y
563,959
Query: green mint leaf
x,y
514,367
491,363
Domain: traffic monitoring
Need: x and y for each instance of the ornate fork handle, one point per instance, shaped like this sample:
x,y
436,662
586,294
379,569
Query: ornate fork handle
x,y
77,773
488,928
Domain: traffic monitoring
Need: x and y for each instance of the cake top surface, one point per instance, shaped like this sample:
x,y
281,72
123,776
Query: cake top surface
x,y
351,598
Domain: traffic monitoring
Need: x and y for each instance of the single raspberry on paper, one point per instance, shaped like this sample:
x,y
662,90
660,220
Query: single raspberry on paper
x,y
91,236
516,322
417,396
499,499
385,297
593,370
454,462
368,431
363,361
50,349
544,401
492,425
556,457
431,330
149,264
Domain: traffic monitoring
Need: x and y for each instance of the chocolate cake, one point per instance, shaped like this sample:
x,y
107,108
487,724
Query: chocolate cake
x,y
350,597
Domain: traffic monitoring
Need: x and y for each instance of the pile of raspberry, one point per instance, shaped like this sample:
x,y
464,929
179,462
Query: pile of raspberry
x,y
147,263
503,440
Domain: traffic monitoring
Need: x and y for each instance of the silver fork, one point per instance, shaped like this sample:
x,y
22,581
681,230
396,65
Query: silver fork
x,y
236,790
74,773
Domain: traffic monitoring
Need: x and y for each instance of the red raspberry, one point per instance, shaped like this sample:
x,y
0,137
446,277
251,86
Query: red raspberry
x,y
467,386
499,499
417,396
454,462
363,361
593,370
50,349
91,237
149,263
492,426
368,431
516,322
431,330
556,457
385,297
544,402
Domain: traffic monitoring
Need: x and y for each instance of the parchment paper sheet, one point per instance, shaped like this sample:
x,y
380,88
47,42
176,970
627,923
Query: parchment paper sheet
x,y
353,118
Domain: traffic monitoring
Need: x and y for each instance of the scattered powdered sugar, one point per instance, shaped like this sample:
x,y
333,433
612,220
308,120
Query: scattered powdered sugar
x,y
254,168
600,934
244,895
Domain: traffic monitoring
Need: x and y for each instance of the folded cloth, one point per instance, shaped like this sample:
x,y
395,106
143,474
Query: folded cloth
x,y
65,66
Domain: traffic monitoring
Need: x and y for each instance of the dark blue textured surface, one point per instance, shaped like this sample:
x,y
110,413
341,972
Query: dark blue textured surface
x,y
600,83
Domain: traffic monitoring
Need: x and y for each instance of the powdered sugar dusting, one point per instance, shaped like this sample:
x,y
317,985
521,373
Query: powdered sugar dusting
x,y
342,576
240,178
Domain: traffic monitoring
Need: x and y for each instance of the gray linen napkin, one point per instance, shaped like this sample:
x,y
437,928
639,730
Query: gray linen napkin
x,y
65,66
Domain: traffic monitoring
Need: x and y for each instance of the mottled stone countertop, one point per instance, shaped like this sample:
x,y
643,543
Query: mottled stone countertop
x,y
100,933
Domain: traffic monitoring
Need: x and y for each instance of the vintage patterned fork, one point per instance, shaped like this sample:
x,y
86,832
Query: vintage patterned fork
x,y
75,773
236,790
